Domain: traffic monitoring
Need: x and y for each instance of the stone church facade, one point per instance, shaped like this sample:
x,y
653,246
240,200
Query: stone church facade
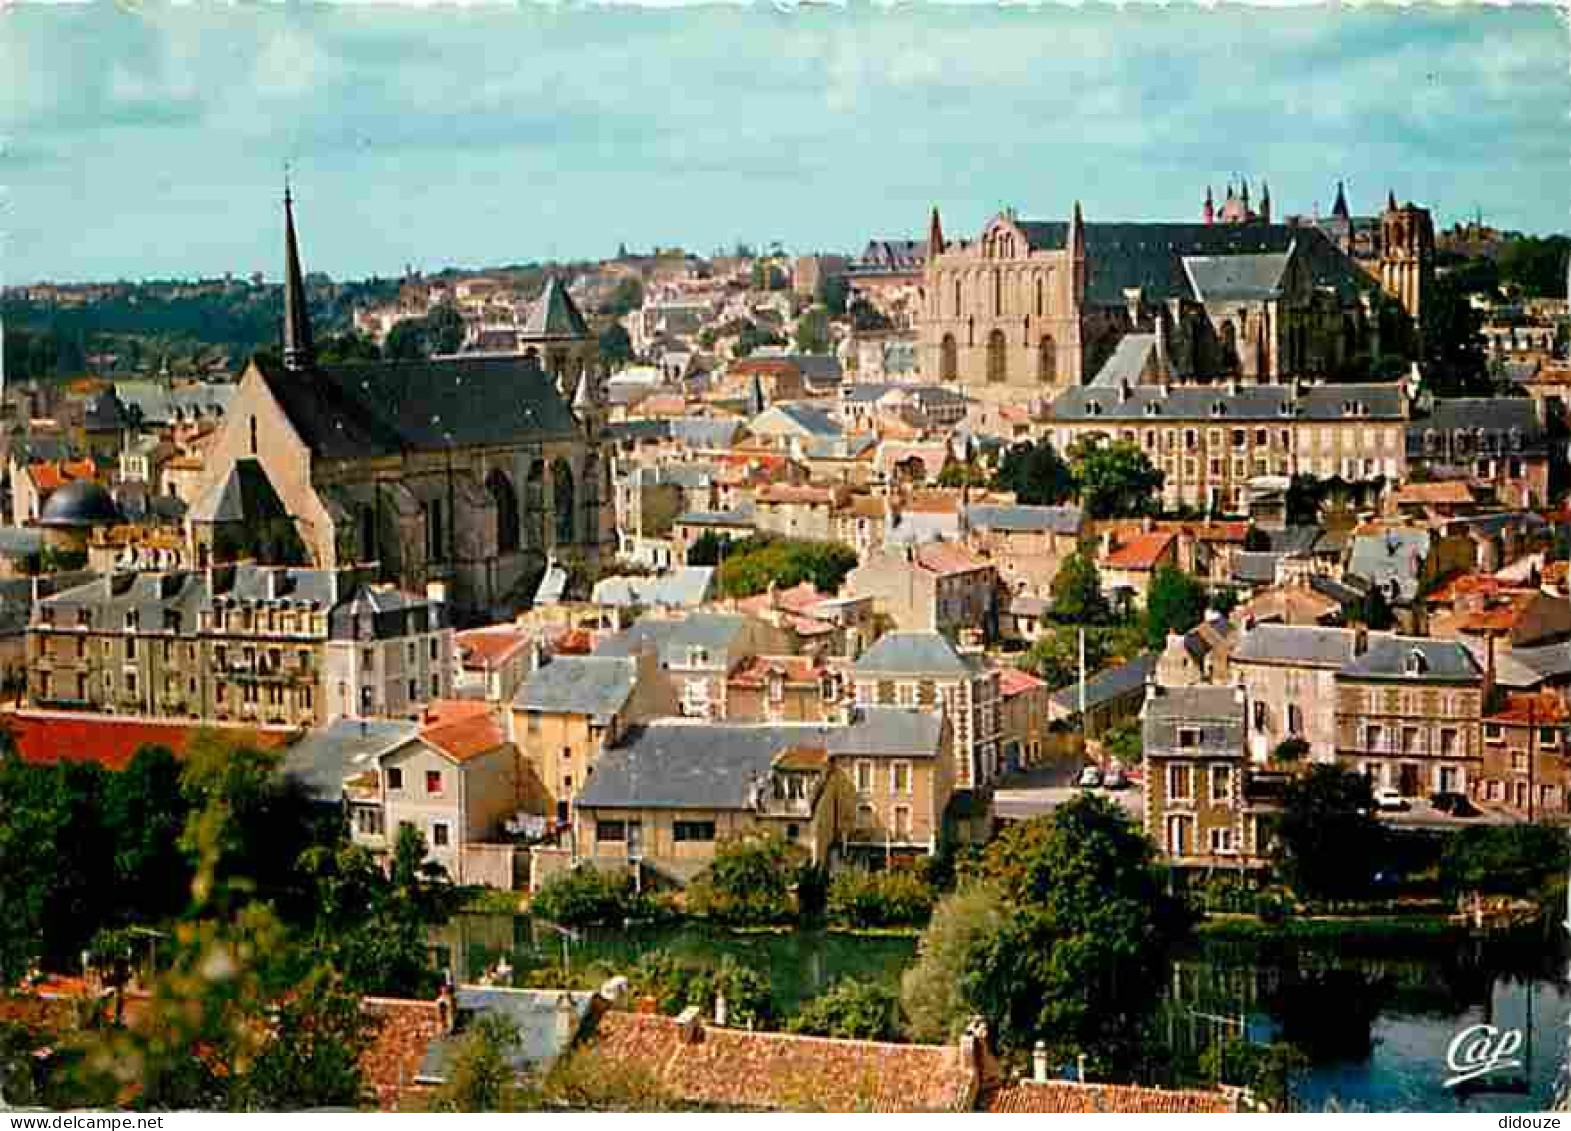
x,y
462,475
1030,308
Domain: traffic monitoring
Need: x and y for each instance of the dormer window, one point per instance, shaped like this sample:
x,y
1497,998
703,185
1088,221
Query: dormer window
x,y
1416,664
1153,409
1516,439
697,657
1093,408
1218,409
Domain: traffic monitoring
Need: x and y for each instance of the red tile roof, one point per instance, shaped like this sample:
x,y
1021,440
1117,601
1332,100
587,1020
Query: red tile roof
x,y
462,728
1065,1097
945,558
1013,681
402,1032
1445,492
753,671
1501,614
46,739
784,1072
1527,709
492,646
1139,551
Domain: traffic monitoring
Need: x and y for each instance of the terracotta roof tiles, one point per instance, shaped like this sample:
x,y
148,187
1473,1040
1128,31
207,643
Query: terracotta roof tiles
x,y
462,729
1066,1097
46,739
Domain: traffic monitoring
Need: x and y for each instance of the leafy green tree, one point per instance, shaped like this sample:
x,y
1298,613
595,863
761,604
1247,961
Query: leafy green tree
x,y
753,564
1454,342
832,292
407,341
893,897
587,895
311,1057
851,1010
1055,658
957,474
753,337
444,328
347,349
748,881
1290,750
1090,931
1116,480
1504,859
1036,473
1537,264
144,813
812,331
1269,1071
708,549
933,991
1326,832
1077,592
53,853
482,1078
1175,602
678,982
616,346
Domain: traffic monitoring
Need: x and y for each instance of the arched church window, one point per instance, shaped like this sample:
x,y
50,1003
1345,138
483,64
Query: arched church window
x,y
1039,309
997,357
948,359
998,292
534,505
506,499
1046,360
957,298
253,435
562,500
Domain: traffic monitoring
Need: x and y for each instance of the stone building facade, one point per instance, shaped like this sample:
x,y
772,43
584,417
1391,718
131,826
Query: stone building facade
x,y
464,473
1030,308
262,646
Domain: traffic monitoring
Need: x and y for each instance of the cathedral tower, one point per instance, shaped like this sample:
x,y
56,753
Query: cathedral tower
x,y
1407,255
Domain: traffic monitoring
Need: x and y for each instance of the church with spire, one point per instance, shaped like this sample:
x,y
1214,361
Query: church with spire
x,y
458,476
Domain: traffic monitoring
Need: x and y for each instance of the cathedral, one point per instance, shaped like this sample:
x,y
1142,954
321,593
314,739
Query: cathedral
x,y
459,476
1029,308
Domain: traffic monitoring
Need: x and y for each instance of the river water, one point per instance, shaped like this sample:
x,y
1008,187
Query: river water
x,y
1375,1020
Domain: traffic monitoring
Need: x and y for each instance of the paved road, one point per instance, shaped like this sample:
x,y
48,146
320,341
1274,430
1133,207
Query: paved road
x,y
1041,789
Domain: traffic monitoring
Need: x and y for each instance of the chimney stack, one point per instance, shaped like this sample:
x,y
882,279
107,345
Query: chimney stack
x,y
690,1026
1360,640
1039,1062
566,1020
720,1010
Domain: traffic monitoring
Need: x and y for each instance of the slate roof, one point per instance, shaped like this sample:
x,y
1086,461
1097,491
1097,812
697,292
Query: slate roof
x,y
596,686
741,516
155,403
532,1014
685,765
1256,567
324,757
20,541
244,494
1391,557
707,435
812,420
1107,685
80,502
361,411
1150,255
889,730
1445,661
716,633
1493,414
553,315
1298,645
1127,363
914,653
685,585
1248,403
1242,278
1025,519
1218,713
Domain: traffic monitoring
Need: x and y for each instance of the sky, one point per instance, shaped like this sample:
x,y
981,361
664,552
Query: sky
x,y
144,140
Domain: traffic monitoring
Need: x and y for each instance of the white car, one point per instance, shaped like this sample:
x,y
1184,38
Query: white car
x,y
1389,800
1090,777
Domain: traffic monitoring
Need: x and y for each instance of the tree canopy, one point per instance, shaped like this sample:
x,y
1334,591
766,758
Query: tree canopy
x,y
753,564
1036,473
1116,480
1326,833
1077,591
1175,602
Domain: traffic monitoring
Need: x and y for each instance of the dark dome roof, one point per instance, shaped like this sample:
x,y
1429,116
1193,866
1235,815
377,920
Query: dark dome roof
x,y
79,503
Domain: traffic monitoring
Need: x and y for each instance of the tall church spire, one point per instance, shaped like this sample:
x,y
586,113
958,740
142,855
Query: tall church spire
x,y
297,320
1339,210
935,235
1265,201
1208,213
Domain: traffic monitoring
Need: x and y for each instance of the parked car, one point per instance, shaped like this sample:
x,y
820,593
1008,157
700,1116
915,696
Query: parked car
x,y
1453,804
1115,779
1390,800
1090,777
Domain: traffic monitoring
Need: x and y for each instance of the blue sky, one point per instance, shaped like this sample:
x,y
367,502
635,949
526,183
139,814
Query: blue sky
x,y
143,140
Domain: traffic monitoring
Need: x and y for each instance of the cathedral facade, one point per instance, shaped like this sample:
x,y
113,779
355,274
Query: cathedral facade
x,y
462,476
1030,308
